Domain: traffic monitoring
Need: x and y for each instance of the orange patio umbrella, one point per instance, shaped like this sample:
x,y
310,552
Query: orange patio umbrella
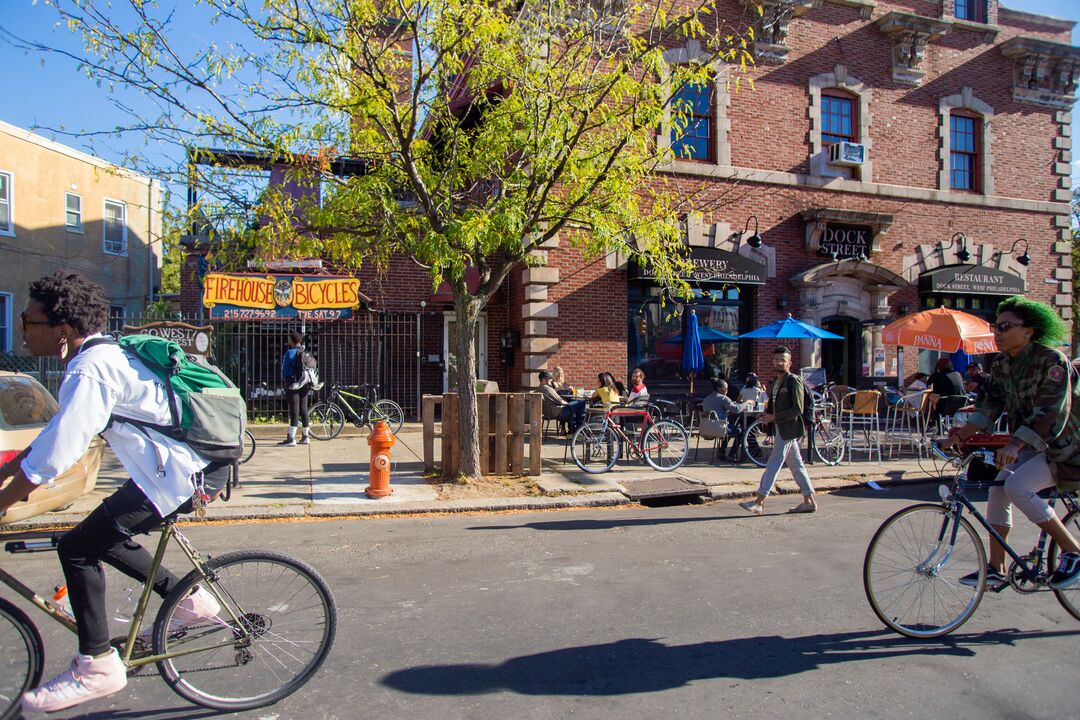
x,y
941,329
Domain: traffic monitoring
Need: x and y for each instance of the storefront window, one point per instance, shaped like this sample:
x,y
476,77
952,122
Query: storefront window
x,y
653,325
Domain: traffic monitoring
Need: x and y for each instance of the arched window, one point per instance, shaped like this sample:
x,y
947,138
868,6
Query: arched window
x,y
839,112
965,158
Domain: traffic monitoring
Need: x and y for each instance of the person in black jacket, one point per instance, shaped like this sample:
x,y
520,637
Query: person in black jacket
x,y
949,384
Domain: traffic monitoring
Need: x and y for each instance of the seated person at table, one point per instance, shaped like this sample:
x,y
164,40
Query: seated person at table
x,y
719,402
561,386
949,384
557,407
605,392
976,379
751,389
638,392
916,383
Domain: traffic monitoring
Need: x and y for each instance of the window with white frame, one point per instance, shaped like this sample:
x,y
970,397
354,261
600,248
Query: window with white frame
x,y
5,322
7,205
117,313
73,212
115,228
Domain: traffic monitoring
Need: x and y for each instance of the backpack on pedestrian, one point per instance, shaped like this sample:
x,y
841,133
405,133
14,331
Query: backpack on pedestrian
x,y
208,413
305,371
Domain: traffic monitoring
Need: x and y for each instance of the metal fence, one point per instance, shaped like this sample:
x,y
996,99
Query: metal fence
x,y
375,348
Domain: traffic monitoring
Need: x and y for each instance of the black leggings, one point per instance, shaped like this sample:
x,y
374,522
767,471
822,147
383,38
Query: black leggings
x,y
105,535
298,406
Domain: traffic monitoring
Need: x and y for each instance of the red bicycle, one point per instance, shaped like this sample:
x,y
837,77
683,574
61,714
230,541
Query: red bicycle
x,y
598,444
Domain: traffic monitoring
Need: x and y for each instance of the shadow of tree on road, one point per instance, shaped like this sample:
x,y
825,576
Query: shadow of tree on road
x,y
637,665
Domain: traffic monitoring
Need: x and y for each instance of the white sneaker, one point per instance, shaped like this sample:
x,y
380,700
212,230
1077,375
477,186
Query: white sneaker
x,y
198,607
87,678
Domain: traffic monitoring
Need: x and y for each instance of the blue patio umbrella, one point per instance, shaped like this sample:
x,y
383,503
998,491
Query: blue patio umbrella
x,y
692,358
789,327
706,334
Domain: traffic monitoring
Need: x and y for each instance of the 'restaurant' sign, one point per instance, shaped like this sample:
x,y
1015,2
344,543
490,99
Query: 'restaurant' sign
x,y
971,280
710,265
269,297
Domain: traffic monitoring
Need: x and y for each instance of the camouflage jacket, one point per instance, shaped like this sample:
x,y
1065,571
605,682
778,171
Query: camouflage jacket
x,y
1041,396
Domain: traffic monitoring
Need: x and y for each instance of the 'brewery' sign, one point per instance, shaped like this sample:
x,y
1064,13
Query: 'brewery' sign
x,y
269,297
847,241
710,265
971,280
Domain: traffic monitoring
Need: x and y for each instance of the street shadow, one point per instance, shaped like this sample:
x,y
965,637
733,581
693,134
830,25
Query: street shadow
x,y
637,665
614,523
186,712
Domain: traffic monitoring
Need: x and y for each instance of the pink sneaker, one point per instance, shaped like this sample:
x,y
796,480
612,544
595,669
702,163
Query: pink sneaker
x,y
87,678
200,606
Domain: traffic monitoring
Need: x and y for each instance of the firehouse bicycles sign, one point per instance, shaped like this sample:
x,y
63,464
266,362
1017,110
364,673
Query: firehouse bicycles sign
x,y
272,297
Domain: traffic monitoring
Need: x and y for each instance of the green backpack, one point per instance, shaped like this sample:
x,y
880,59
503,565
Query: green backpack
x,y
208,412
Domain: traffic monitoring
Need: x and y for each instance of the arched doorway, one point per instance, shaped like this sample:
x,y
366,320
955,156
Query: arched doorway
x,y
851,299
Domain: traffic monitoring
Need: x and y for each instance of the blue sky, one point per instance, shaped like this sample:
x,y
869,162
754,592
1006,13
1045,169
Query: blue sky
x,y
50,92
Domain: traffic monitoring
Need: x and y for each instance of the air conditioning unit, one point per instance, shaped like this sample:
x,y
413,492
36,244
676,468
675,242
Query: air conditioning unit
x,y
846,154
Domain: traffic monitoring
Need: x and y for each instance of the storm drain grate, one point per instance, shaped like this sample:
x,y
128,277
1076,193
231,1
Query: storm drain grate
x,y
669,486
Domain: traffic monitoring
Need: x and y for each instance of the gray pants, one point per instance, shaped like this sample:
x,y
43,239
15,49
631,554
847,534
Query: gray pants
x,y
1030,474
785,450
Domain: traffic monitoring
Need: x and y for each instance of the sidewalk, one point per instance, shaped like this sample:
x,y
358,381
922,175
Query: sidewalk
x,y
327,479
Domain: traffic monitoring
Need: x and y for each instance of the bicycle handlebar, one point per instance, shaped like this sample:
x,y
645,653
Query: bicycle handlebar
x,y
987,456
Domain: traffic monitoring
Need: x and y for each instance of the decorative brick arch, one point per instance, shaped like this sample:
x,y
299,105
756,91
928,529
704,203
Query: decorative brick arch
x,y
692,52
965,100
839,79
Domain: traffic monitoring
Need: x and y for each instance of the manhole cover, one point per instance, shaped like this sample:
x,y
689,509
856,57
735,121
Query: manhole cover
x,y
669,486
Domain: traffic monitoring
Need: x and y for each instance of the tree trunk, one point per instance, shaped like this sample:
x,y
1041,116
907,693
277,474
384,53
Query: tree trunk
x,y
467,311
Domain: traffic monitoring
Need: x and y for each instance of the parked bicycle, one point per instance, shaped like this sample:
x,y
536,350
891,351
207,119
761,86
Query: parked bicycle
x,y
915,560
598,444
274,630
824,437
249,447
328,418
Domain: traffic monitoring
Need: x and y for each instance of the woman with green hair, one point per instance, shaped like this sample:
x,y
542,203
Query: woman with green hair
x,y
1034,384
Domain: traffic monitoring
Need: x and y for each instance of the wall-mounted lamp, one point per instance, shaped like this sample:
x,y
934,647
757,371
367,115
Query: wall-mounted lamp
x,y
423,304
1024,259
754,240
781,302
959,241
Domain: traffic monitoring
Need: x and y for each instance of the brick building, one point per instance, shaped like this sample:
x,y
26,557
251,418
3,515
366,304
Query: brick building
x,y
890,157
61,209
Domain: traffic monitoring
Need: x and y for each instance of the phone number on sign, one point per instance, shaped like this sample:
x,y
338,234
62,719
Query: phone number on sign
x,y
259,314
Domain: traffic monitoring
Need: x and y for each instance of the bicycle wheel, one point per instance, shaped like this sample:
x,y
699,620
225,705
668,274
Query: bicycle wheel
x,y
828,441
22,657
912,571
1069,597
595,447
249,447
326,420
665,445
389,411
289,617
758,442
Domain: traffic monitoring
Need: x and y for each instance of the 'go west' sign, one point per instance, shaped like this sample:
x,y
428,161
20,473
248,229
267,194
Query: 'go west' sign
x,y
269,297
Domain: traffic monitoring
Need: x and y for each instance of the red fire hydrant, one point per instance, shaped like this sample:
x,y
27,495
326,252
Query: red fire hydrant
x,y
380,441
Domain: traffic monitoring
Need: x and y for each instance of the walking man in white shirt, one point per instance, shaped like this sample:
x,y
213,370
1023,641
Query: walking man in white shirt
x,y
64,313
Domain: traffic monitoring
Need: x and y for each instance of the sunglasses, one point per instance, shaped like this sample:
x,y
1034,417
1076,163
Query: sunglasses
x,y
27,323
1006,325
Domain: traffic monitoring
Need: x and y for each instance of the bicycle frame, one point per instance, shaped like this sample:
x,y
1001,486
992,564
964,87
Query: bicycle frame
x,y
618,411
360,417
168,531
957,501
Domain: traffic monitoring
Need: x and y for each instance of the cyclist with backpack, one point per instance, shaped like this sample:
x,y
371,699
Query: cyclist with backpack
x,y
300,375
65,317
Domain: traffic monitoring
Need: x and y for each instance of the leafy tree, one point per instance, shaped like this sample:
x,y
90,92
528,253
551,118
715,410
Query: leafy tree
x,y
488,127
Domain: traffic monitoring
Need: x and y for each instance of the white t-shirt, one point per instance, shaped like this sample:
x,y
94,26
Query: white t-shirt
x,y
98,383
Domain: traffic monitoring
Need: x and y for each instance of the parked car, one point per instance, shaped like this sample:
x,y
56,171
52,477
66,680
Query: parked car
x,y
25,407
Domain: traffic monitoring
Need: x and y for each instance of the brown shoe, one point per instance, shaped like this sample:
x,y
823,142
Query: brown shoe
x,y
805,507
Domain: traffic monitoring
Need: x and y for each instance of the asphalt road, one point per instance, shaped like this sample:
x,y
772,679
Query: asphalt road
x,y
688,612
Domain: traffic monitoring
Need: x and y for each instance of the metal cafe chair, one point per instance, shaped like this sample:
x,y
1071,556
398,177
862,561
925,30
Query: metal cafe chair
x,y
905,422
861,423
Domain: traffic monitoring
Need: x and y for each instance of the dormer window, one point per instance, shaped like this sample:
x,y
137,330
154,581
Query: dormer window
x,y
696,104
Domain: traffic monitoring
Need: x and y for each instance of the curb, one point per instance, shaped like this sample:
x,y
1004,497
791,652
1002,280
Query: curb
x,y
222,513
